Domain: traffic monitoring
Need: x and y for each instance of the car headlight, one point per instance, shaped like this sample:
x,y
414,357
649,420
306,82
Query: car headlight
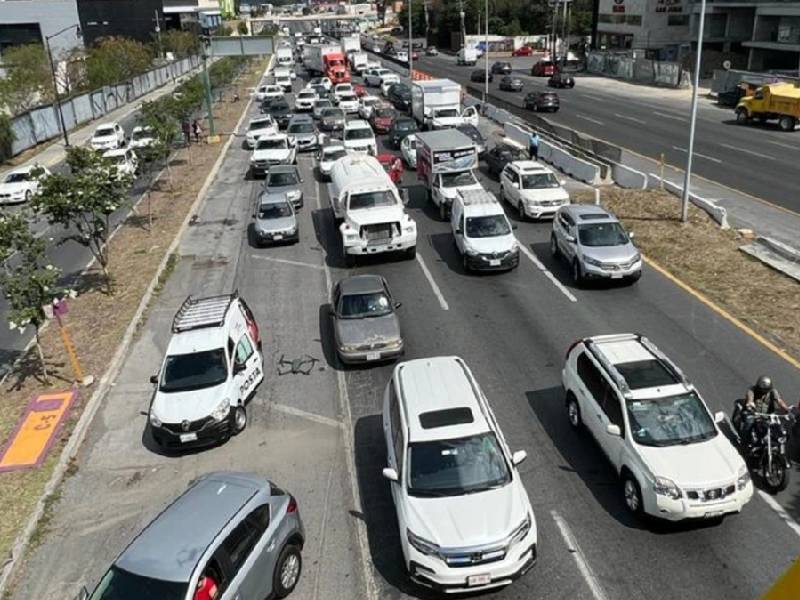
x,y
743,478
348,347
422,545
515,246
291,230
394,344
521,531
222,410
666,487
154,420
470,251
637,257
591,261
294,194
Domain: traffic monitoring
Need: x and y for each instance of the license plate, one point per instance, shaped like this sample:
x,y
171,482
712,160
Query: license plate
x,y
494,262
616,276
479,580
277,237
188,437
373,355
714,514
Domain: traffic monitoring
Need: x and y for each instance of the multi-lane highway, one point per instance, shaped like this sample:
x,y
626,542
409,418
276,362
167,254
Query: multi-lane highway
x,y
513,330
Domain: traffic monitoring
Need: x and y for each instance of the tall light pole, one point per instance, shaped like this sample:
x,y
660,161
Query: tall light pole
x,y
410,46
486,57
47,39
692,122
463,31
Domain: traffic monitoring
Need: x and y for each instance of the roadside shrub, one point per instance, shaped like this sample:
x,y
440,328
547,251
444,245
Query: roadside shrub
x,y
7,137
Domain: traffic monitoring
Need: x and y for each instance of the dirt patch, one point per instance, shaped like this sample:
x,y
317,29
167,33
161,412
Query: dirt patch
x,y
97,321
709,260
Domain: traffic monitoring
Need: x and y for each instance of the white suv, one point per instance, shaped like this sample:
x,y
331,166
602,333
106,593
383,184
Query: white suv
x,y
465,520
359,137
532,188
674,462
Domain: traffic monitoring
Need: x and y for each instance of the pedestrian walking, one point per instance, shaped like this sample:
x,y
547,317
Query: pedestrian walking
x,y
187,131
533,146
198,130
396,172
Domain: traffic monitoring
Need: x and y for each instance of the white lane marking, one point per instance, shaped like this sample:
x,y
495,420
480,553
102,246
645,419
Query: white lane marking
x,y
593,97
785,517
583,566
627,118
437,292
539,265
590,119
285,261
668,116
303,414
782,145
711,158
344,399
746,151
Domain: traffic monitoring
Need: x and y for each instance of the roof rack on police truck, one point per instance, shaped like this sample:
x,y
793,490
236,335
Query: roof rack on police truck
x,y
196,313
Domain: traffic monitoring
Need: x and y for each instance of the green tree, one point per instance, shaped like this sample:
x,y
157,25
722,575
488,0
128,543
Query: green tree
x,y
116,59
180,43
28,80
7,138
241,27
162,119
28,280
83,201
418,27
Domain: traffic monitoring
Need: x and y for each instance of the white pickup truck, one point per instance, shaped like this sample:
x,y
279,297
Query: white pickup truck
x,y
370,209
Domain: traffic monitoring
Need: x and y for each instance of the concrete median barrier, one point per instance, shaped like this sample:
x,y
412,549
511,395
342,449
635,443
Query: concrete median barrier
x,y
718,213
628,178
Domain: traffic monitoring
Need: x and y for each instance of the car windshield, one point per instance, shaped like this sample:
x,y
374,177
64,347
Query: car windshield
x,y
271,144
362,306
277,210
446,112
487,226
104,131
358,133
341,89
279,107
681,419
384,112
301,128
463,178
348,97
602,234
334,154
538,181
307,95
194,371
471,132
118,584
259,125
372,200
459,466
281,179
411,143
405,125
333,113
320,89
18,178
141,134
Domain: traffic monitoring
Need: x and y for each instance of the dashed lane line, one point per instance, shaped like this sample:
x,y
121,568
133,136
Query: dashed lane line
x,y
580,559
746,151
785,517
437,292
782,145
695,153
286,261
304,414
590,119
628,118
539,265
669,116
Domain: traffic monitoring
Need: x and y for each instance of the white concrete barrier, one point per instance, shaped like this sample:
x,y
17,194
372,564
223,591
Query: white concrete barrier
x,y
718,213
628,178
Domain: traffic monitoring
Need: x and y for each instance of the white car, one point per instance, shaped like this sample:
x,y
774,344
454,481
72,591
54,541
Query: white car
x,y
285,82
328,154
388,81
271,150
402,56
322,81
373,64
269,92
304,100
21,184
367,104
108,136
342,88
466,523
408,148
142,137
348,103
124,160
673,460
483,233
258,127
359,137
532,188
373,76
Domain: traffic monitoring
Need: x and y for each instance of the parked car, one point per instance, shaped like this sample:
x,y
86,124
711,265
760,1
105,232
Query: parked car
x,y
533,189
382,118
365,323
544,68
523,51
141,137
328,154
399,95
332,119
431,51
284,181
108,136
123,160
479,75
501,68
595,244
561,80
275,220
238,529
499,156
21,184
401,127
408,149
464,515
511,84
542,101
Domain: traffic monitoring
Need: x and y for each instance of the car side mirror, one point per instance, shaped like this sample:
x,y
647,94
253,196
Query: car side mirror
x,y
153,378
238,367
398,304
405,196
631,234
514,226
459,231
515,185
83,594
519,457
719,417
612,429
390,474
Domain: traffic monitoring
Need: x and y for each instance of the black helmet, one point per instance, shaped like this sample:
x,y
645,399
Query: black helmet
x,y
764,383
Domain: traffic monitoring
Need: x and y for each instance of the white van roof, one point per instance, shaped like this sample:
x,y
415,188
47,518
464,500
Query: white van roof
x,y
205,323
479,203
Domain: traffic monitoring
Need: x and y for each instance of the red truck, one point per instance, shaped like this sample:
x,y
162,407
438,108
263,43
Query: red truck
x,y
327,60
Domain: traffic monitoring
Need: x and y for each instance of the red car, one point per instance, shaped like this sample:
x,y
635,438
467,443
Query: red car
x,y
523,51
415,55
392,165
359,90
544,68
382,118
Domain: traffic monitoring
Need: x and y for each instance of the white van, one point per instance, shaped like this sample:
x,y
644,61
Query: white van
x,y
483,233
212,367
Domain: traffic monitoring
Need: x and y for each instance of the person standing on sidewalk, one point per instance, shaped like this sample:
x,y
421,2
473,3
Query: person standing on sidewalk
x,y
198,130
533,146
186,128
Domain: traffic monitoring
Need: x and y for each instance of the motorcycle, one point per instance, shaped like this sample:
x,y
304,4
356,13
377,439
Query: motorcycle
x,y
764,448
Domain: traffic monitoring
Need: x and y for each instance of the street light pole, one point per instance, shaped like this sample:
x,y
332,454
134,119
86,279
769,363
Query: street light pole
x,y
688,174
486,57
47,39
410,46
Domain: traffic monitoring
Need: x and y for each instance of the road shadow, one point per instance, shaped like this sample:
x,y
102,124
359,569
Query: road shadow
x,y
29,367
326,337
562,271
326,232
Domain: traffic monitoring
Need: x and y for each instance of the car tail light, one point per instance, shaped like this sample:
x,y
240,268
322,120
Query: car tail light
x,y
292,508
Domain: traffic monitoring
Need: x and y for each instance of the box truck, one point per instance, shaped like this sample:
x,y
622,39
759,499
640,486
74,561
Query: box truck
x,y
328,60
436,104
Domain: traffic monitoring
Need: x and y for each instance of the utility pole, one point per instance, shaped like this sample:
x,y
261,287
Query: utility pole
x,y
486,56
564,44
410,46
555,19
688,174
158,35
463,30
209,101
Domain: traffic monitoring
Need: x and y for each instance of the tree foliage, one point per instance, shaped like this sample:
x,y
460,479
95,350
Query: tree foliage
x,y
116,59
28,79
180,43
7,138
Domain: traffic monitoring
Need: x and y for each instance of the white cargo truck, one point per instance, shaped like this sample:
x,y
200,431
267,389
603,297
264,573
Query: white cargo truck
x,y
467,56
436,104
371,210
283,56
314,56
358,62
351,43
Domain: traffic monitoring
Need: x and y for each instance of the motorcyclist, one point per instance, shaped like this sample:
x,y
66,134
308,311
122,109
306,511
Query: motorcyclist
x,y
762,397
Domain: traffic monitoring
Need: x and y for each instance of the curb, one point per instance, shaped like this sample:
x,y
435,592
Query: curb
x,y
92,406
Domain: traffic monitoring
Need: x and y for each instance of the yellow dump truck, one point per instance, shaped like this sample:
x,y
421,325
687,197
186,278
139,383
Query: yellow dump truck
x,y
776,101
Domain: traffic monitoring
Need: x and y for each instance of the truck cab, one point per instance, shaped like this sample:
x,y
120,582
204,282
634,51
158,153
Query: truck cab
x,y
467,56
777,101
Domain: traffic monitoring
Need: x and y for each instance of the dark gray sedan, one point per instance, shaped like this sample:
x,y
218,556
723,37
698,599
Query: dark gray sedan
x,y
365,323
284,181
511,84
332,119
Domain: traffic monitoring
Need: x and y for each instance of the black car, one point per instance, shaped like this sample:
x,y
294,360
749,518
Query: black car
x,y
400,129
399,95
545,101
503,68
480,75
561,80
502,154
280,111
511,84
476,136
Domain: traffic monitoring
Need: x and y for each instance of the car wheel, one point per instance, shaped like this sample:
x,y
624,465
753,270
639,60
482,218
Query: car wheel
x,y
741,116
349,260
554,246
442,211
28,196
632,494
239,419
786,123
577,276
521,210
287,571
464,263
411,253
573,411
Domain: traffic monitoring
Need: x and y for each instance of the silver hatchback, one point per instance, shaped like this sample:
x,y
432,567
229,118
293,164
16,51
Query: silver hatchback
x,y
275,221
234,532
595,244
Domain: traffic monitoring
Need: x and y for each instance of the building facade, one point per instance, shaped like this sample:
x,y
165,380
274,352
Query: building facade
x,y
660,28
29,21
104,18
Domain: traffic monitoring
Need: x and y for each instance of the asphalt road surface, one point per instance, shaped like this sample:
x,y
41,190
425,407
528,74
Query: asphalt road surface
x,y
513,330
758,160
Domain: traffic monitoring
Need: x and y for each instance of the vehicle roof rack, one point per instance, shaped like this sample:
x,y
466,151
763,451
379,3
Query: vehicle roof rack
x,y
197,313
481,196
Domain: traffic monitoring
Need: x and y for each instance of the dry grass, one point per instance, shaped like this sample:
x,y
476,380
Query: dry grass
x,y
708,259
98,321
